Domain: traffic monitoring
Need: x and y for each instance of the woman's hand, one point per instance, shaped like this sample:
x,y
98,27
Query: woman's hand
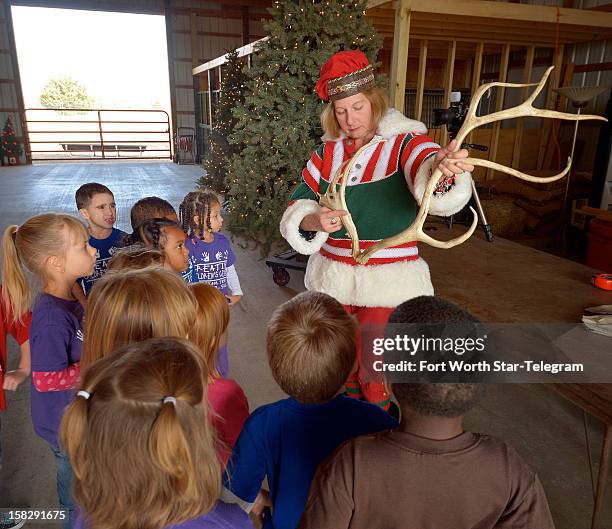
x,y
326,220
449,162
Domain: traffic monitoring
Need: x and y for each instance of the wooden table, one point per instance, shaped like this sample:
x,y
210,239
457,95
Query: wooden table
x,y
505,282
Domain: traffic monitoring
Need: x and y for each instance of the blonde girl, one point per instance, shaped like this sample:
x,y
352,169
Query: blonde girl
x,y
132,305
227,400
141,445
55,249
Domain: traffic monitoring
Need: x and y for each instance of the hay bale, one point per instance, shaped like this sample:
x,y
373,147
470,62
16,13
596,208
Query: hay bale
x,y
506,218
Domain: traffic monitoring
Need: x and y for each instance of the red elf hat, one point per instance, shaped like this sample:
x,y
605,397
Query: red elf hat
x,y
345,74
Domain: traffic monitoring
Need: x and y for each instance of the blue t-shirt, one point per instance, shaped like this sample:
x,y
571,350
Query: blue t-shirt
x,y
286,441
105,248
209,261
56,338
223,516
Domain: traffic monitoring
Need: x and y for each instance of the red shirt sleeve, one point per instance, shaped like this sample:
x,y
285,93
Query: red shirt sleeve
x,y
230,410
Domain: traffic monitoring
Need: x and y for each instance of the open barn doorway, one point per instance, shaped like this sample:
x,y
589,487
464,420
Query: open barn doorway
x,y
95,84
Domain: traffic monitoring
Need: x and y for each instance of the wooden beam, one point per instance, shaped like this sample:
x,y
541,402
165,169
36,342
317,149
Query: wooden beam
x,y
375,3
245,26
595,67
421,81
518,137
170,45
553,82
399,56
476,74
448,82
245,50
505,11
499,104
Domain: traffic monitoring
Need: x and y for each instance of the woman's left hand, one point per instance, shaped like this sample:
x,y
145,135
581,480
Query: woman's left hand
x,y
449,162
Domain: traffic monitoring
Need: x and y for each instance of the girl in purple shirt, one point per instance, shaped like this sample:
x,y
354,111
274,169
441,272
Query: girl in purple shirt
x,y
141,443
54,248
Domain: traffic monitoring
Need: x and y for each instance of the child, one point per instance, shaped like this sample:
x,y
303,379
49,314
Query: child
x,y
96,204
211,255
132,305
167,236
141,445
429,472
229,404
135,258
311,352
148,208
14,320
53,247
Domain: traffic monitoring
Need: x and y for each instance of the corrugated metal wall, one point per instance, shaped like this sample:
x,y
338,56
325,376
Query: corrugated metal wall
x,y
218,30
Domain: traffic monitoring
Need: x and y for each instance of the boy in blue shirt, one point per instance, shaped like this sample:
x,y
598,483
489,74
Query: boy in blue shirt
x,y
311,344
96,204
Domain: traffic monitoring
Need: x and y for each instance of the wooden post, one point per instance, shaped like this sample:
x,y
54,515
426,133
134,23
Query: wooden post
x,y
399,57
421,81
245,25
448,83
518,137
552,83
602,477
499,104
476,75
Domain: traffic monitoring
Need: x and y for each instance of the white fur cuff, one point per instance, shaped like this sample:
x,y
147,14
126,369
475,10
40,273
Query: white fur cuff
x,y
448,203
290,227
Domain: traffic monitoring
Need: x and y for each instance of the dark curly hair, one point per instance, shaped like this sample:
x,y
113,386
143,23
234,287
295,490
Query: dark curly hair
x,y
197,203
146,208
152,232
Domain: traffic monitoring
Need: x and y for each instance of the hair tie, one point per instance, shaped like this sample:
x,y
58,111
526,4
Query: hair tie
x,y
169,399
84,394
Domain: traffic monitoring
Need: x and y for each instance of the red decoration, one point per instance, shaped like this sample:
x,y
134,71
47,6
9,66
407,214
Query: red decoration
x,y
339,65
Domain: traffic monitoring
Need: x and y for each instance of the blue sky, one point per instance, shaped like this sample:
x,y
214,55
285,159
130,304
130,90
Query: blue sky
x,y
121,58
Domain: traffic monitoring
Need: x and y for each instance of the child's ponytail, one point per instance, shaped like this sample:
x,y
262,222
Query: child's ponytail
x,y
170,448
152,232
16,293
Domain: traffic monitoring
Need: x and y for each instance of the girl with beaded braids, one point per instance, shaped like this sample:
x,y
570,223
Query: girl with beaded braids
x,y
211,256
144,409
167,236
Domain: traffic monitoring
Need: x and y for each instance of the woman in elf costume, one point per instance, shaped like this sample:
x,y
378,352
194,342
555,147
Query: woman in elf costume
x,y
383,194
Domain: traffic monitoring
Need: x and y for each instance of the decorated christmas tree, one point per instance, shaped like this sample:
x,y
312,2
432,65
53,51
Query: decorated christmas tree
x,y
10,148
279,124
219,150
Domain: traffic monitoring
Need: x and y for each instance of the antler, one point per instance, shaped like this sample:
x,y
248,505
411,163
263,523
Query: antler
x,y
415,231
335,199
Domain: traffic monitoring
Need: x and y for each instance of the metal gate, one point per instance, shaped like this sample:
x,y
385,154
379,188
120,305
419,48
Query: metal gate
x,y
73,134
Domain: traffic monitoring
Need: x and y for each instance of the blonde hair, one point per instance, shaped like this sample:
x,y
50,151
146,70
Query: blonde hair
x,y
376,96
30,245
133,305
211,323
136,258
311,346
139,461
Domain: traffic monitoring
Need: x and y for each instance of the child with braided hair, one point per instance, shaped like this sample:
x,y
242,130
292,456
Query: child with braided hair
x,y
167,236
211,256
144,408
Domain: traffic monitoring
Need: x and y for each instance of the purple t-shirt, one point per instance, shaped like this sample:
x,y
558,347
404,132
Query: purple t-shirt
x,y
105,248
209,261
56,338
223,516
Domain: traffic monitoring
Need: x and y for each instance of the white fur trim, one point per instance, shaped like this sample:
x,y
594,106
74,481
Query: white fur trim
x,y
290,227
391,124
448,203
386,285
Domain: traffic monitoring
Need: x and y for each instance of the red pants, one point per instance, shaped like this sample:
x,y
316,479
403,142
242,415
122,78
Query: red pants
x,y
361,384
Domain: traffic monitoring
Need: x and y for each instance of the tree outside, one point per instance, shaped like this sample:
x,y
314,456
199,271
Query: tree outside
x,y
65,92
278,124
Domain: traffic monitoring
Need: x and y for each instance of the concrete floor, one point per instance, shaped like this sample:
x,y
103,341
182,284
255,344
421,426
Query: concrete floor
x,y
545,429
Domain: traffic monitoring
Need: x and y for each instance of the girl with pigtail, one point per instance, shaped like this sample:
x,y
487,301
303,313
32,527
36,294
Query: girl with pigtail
x,y
144,409
211,256
55,249
167,236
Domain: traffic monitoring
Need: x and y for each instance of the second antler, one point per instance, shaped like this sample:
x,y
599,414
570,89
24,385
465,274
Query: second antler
x,y
526,109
